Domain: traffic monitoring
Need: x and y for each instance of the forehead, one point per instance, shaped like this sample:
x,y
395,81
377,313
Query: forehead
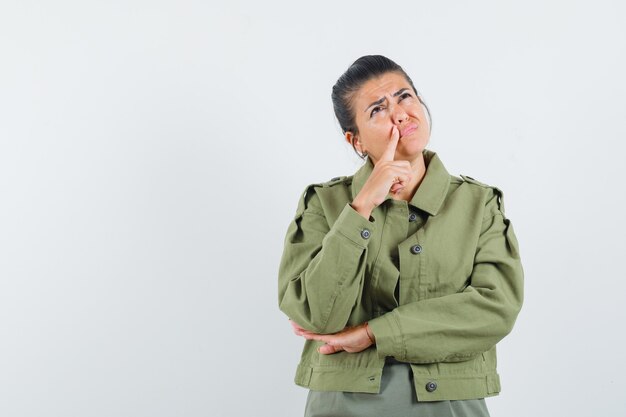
x,y
384,85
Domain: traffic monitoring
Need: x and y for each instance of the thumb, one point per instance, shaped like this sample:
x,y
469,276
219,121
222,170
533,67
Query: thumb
x,y
328,349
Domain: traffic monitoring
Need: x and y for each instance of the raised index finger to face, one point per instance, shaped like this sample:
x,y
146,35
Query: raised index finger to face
x,y
390,150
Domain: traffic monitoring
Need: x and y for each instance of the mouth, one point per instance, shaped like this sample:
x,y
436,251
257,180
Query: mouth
x,y
408,130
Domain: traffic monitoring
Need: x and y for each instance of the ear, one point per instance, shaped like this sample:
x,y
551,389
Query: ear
x,y
357,143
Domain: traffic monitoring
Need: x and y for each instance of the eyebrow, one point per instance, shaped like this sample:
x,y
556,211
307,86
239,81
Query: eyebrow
x,y
397,93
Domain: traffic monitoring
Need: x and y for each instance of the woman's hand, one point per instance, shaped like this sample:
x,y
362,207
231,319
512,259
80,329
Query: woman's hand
x,y
351,339
387,176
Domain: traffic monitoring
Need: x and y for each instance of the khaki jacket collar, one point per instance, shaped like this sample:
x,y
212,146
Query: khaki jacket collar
x,y
431,192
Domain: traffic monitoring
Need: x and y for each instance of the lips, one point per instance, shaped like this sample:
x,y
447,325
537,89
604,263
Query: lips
x,y
408,130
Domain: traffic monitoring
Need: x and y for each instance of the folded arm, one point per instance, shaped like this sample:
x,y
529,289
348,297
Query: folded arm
x,y
321,272
458,326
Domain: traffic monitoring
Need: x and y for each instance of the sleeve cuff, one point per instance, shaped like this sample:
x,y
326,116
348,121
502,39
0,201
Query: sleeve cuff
x,y
355,227
387,333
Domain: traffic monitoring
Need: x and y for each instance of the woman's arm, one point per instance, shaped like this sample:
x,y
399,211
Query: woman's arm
x,y
459,326
320,278
455,327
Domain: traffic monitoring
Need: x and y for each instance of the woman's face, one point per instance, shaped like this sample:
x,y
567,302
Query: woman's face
x,y
382,103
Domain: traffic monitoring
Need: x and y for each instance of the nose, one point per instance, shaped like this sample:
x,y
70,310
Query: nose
x,y
399,115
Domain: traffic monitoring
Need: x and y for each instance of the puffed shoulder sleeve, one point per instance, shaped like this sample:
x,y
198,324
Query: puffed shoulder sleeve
x,y
321,272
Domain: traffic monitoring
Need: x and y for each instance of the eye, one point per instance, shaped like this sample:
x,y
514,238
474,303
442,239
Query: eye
x,y
403,96
374,110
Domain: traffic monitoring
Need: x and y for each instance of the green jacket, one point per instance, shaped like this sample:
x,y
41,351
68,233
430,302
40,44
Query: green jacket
x,y
438,278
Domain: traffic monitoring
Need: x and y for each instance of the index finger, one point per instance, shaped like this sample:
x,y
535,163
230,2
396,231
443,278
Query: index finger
x,y
315,336
390,150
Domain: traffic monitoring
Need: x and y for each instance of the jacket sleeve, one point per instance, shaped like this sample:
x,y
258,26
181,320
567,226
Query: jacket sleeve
x,y
321,272
459,326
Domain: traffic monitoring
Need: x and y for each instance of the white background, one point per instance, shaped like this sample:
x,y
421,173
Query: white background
x,y
152,154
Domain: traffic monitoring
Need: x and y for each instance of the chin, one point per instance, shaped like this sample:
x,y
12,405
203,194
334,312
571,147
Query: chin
x,y
412,151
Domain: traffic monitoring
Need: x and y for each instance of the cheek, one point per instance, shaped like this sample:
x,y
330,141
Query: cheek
x,y
374,130
367,129
417,109
374,138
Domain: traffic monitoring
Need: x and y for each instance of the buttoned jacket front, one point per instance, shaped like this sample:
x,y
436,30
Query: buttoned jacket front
x,y
439,279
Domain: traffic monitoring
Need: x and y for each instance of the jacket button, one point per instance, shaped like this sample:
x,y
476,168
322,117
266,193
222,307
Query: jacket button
x,y
415,249
365,234
412,217
431,386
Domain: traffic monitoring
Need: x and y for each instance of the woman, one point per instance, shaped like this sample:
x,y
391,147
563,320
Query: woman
x,y
402,278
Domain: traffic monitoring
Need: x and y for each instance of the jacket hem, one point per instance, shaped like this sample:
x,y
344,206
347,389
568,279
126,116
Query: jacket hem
x,y
367,380
457,387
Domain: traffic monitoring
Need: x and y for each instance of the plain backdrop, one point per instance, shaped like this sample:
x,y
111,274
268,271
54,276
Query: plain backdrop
x,y
152,154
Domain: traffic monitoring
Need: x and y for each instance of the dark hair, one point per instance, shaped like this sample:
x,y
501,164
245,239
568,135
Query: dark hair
x,y
361,71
